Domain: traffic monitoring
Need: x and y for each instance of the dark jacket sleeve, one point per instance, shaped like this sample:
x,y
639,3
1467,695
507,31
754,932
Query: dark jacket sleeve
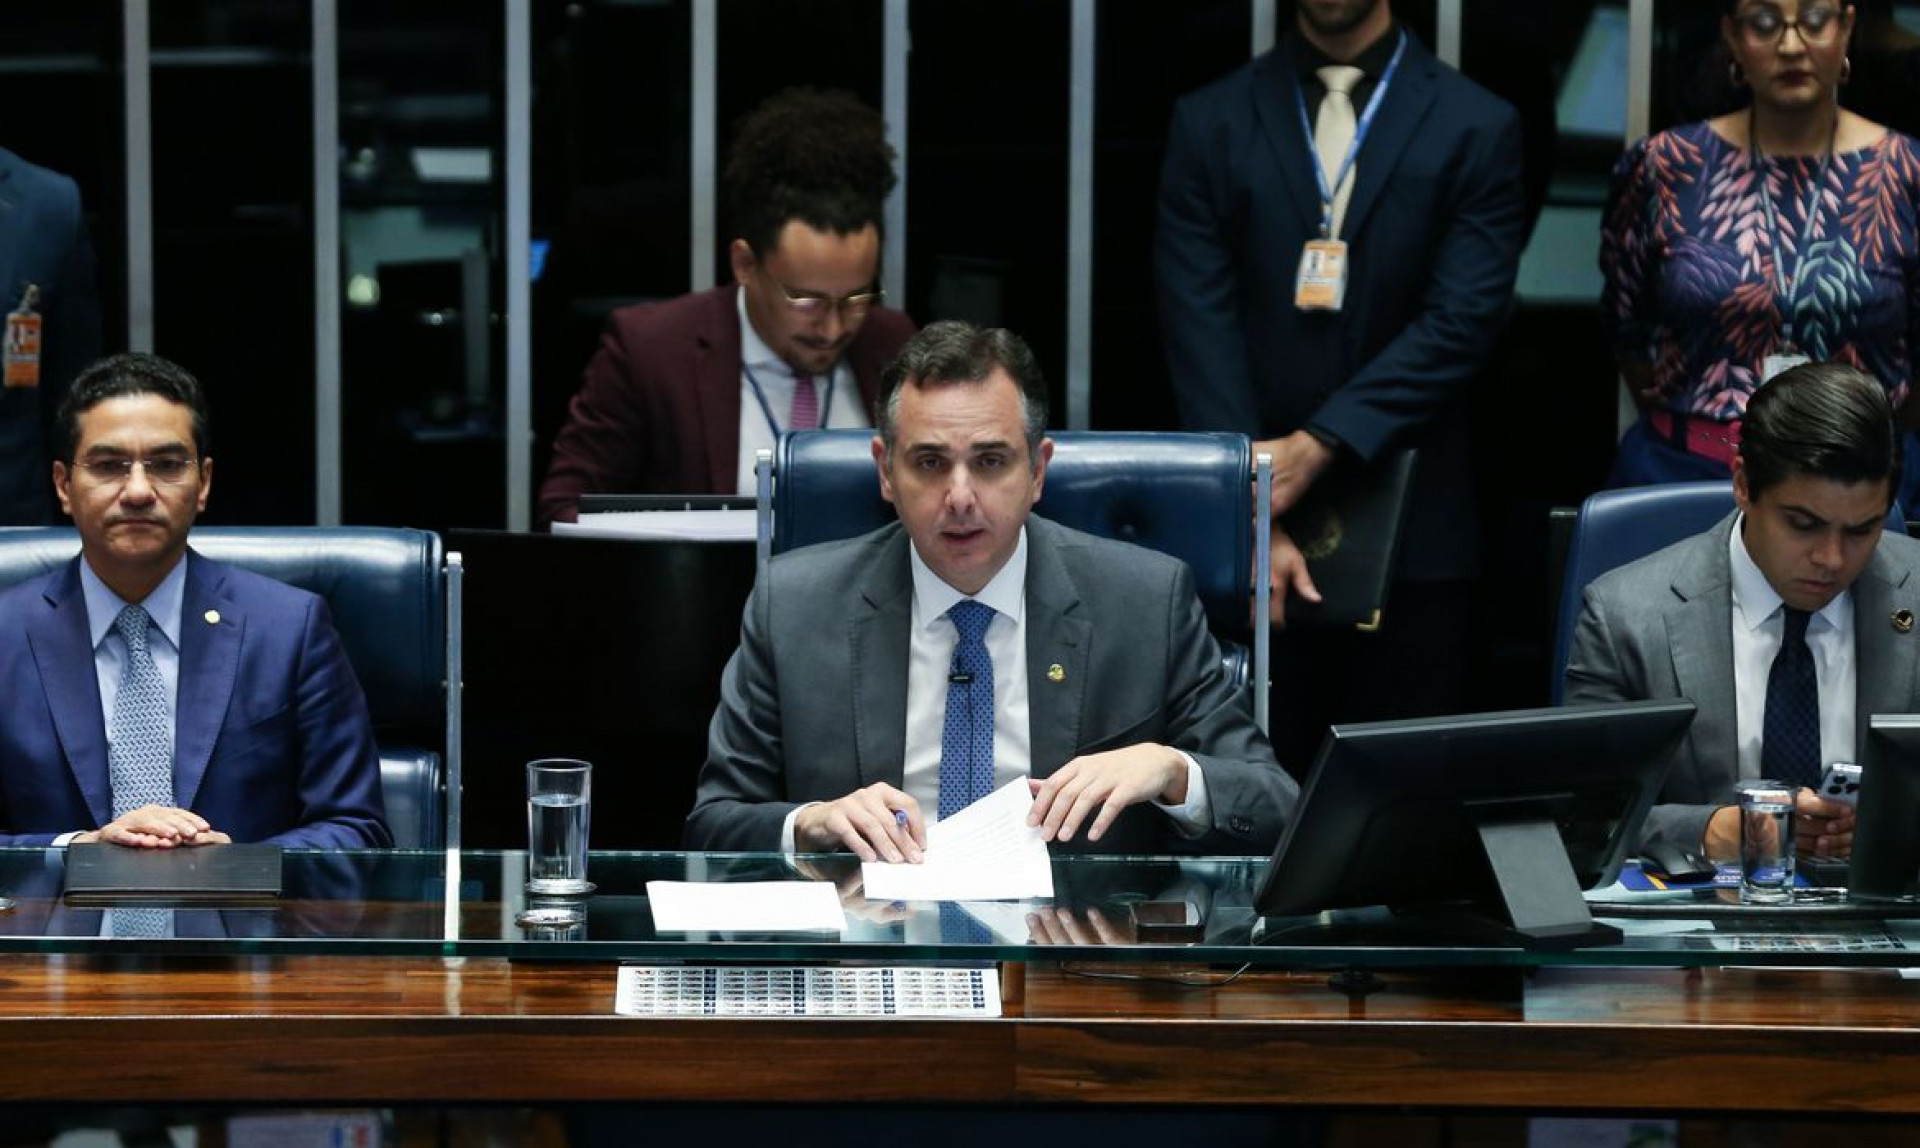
x,y
338,786
1196,282
740,803
602,446
1426,369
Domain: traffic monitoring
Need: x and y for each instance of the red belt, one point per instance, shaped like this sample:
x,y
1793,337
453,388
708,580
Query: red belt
x,y
1707,438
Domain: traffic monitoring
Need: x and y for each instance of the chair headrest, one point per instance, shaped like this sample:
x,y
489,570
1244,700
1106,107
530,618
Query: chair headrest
x,y
1188,495
382,584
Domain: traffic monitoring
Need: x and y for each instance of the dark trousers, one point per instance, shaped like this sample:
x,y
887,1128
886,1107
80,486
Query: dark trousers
x,y
1415,665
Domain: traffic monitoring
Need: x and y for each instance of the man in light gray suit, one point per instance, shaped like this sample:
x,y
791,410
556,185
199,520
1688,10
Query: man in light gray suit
x,y
1800,583
970,645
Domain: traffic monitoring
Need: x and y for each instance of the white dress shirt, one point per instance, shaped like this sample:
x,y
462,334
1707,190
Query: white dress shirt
x,y
932,637
840,404
1758,626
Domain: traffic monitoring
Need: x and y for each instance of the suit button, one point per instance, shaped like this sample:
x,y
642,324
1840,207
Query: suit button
x,y
1240,824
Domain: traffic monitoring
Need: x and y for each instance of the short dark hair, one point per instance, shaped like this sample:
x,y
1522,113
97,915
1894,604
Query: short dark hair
x,y
821,157
1821,420
951,351
132,373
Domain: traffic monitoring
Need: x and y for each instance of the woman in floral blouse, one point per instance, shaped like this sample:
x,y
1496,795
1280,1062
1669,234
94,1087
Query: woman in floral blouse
x,y
1737,247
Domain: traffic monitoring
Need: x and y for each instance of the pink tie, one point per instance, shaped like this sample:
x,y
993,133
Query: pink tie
x,y
806,405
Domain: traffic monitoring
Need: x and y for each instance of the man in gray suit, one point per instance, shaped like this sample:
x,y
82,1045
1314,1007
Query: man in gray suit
x,y
1802,584
970,645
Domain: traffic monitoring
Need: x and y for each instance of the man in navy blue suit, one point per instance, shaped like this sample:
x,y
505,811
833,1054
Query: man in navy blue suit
x,y
1340,224
154,698
46,261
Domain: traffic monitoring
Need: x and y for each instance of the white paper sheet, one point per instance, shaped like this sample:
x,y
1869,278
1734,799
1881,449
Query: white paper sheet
x,y
985,852
746,907
687,525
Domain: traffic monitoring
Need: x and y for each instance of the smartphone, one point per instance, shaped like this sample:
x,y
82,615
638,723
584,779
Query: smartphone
x,y
1167,921
1840,782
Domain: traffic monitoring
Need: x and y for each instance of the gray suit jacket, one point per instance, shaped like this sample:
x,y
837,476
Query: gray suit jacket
x,y
813,704
1662,627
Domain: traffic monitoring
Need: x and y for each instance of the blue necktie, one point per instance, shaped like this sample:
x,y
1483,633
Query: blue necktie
x,y
959,927
1790,733
140,738
966,742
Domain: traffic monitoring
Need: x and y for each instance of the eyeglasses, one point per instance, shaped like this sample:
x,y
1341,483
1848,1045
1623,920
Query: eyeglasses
x,y
159,471
1765,26
814,307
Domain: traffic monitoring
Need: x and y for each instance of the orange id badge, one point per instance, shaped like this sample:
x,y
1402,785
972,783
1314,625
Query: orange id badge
x,y
22,350
1321,284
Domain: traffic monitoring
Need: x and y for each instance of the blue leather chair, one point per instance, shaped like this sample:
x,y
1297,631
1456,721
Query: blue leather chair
x,y
388,590
1616,527
1187,495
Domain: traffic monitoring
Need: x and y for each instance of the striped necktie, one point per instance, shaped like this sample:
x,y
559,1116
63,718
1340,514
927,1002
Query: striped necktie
x,y
806,405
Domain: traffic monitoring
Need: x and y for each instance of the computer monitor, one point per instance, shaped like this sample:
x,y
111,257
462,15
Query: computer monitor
x,y
1515,811
1886,832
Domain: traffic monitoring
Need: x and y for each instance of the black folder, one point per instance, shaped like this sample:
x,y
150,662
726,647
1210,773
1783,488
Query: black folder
x,y
99,873
1348,526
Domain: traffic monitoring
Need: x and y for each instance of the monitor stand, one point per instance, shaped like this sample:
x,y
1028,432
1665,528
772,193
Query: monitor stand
x,y
1537,886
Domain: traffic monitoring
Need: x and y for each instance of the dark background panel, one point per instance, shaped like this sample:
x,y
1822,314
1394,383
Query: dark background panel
x,y
987,157
608,651
233,241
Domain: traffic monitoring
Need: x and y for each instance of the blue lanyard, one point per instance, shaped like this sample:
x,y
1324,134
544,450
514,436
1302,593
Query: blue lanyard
x,y
1783,292
1360,130
766,412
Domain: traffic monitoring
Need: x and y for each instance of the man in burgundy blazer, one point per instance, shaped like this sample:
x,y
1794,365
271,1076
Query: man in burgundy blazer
x,y
659,411
677,386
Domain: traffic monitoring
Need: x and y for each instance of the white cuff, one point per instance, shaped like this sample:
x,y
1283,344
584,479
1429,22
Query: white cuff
x,y
786,827
1194,816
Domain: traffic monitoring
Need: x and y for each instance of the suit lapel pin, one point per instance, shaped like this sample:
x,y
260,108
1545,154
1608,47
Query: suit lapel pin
x,y
1903,621
1058,673
213,618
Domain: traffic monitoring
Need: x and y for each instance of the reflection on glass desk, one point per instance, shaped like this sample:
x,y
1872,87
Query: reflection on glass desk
x,y
398,903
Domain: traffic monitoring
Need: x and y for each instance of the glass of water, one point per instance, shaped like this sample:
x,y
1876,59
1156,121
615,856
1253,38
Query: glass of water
x,y
1766,842
559,809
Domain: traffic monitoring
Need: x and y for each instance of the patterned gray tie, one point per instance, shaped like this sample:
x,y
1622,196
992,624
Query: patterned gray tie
x,y
140,738
144,922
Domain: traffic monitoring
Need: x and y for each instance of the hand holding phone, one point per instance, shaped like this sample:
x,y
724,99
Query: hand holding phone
x,y
1840,782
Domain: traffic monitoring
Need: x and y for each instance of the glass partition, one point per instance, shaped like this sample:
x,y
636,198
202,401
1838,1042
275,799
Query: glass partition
x,y
1148,56
611,136
987,170
421,211
232,102
467,904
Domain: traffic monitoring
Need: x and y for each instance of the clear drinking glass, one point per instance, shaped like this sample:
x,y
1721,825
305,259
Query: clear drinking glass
x,y
1766,842
559,811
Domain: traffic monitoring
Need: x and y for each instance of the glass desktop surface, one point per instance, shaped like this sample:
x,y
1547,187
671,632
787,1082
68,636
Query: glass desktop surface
x,y
396,902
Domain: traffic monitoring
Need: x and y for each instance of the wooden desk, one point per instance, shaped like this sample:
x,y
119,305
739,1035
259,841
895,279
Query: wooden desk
x,y
325,1029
